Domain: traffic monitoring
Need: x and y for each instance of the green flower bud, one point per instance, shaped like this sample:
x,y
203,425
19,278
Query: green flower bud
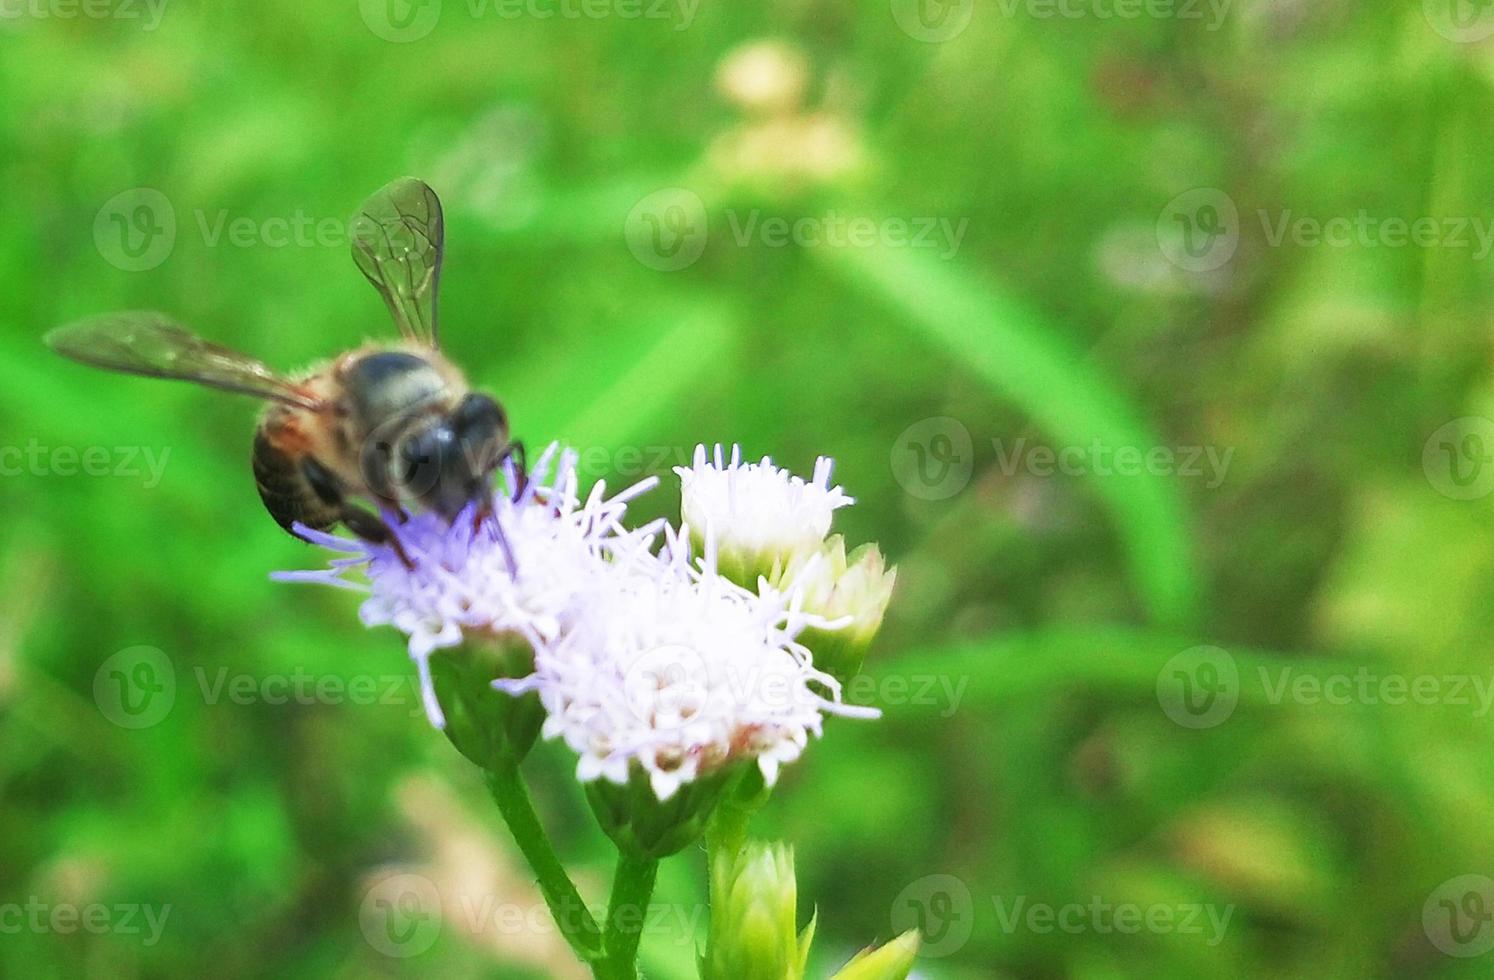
x,y
754,904
488,726
645,826
894,961
855,588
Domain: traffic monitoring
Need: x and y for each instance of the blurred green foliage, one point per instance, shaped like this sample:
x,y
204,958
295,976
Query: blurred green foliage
x,y
1334,543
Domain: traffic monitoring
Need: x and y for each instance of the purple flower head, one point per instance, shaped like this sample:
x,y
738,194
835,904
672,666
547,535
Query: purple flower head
x,y
462,584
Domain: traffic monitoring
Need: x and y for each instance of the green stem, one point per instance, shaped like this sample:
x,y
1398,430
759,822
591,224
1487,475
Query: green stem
x,y
632,887
570,912
727,829
726,832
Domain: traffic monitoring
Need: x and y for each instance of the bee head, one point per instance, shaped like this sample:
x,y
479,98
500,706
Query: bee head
x,y
449,462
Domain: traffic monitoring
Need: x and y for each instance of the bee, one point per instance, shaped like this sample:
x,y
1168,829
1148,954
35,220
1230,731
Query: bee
x,y
387,424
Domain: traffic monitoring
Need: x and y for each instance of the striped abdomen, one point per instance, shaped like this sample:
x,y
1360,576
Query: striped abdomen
x,y
284,488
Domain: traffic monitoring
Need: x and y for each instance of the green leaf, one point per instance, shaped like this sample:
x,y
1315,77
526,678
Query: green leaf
x,y
893,961
1022,357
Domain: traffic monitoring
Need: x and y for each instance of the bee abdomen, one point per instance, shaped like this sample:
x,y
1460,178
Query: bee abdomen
x,y
284,489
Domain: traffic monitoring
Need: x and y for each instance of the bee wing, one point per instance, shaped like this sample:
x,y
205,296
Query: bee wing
x,y
154,345
398,239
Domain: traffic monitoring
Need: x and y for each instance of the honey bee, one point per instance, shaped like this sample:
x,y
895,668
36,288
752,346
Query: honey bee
x,y
388,424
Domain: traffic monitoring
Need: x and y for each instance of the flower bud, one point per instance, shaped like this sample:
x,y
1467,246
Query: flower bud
x,y
754,903
894,961
854,590
488,726
645,826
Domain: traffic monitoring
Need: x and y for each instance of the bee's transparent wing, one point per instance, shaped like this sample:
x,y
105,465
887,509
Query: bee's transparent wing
x,y
154,345
398,238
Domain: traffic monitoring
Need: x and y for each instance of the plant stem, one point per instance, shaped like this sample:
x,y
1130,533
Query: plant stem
x,y
632,887
726,831
571,914
726,835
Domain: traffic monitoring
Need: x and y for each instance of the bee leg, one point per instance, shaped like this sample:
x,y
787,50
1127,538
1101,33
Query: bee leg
x,y
508,552
515,451
371,527
323,482
484,512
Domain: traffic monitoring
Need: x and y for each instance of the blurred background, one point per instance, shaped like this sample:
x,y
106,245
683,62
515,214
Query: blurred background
x,y
1152,339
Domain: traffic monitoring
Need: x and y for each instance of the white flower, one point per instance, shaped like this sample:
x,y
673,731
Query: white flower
x,y
680,671
659,661
758,515
462,583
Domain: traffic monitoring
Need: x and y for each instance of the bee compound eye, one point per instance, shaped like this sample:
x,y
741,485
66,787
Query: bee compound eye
x,y
478,416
